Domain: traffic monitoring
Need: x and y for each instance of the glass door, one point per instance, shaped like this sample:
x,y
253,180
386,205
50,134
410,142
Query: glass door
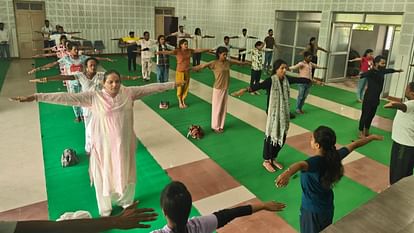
x,y
338,56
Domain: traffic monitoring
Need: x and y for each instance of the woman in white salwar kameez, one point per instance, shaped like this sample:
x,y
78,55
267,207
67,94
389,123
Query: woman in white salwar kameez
x,y
113,141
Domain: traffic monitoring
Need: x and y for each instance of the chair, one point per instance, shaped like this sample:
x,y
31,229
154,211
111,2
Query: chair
x,y
99,46
87,43
76,43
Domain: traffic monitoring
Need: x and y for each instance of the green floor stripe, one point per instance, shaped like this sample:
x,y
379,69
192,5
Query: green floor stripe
x,y
337,95
68,189
238,151
4,66
345,128
347,98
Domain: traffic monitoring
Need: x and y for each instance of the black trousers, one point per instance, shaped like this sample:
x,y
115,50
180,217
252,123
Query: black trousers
x,y
369,108
270,151
132,60
314,61
402,162
242,57
255,77
196,59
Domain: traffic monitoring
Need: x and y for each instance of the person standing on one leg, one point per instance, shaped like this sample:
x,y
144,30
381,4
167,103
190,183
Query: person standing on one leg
x,y
147,53
269,49
402,152
319,174
305,68
132,46
366,64
375,78
4,43
243,43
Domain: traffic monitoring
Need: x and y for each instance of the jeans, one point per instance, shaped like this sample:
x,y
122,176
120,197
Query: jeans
x,y
75,87
162,73
268,59
362,83
304,90
4,51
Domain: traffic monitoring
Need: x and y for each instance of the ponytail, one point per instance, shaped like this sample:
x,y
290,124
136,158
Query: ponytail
x,y
334,170
176,203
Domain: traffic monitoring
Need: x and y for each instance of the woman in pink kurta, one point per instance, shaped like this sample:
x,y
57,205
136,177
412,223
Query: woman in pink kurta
x,y
113,141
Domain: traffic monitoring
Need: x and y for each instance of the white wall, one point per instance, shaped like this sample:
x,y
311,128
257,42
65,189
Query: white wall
x,y
105,19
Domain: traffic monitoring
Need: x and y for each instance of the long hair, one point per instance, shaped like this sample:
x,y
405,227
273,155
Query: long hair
x,y
176,204
367,52
197,32
277,64
326,139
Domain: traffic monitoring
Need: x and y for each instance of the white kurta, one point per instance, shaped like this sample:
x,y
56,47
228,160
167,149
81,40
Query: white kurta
x,y
94,84
112,136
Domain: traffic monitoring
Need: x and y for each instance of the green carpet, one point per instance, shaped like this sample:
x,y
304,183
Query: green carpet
x,y
238,151
337,95
314,117
4,66
68,189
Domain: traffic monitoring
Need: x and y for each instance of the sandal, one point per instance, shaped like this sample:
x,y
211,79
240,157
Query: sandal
x,y
268,166
277,164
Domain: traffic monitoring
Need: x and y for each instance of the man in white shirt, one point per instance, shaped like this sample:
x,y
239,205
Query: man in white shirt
x,y
243,43
46,32
4,42
180,34
402,152
147,53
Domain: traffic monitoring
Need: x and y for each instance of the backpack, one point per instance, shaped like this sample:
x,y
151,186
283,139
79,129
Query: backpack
x,y
195,131
69,158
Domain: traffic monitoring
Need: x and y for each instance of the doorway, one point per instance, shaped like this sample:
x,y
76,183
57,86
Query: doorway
x,y
351,35
166,23
30,17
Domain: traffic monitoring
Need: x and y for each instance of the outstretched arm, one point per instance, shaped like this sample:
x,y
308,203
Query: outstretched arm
x,y
363,141
201,66
322,49
237,62
208,36
53,78
201,50
130,77
355,59
166,52
83,99
130,218
141,91
104,59
47,66
396,105
283,179
253,37
227,215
